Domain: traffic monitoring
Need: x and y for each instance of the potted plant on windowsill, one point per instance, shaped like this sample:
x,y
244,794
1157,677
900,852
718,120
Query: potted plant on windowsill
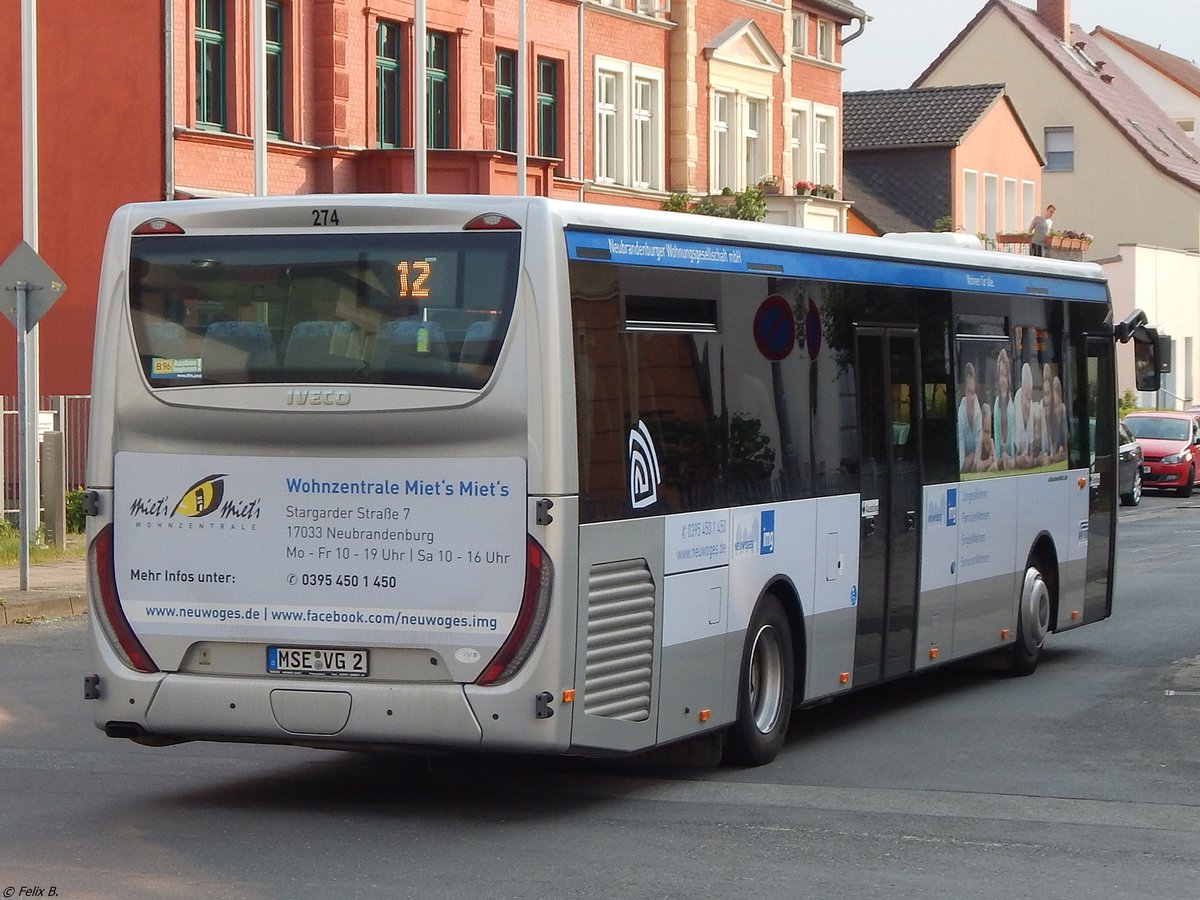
x,y
725,198
805,188
768,185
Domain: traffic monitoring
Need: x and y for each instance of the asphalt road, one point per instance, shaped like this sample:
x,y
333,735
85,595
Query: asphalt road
x,y
1082,781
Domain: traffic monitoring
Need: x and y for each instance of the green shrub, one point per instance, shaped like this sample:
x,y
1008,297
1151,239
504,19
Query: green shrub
x,y
76,521
749,205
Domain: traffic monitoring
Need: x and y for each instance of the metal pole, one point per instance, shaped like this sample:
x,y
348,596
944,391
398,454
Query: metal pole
x,y
27,431
420,100
29,143
522,102
27,339
168,100
260,97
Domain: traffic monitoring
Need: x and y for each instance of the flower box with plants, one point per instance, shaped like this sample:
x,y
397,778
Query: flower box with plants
x,y
768,185
804,188
1014,237
1069,240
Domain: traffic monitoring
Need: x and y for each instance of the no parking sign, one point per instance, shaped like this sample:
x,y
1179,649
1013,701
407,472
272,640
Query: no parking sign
x,y
775,328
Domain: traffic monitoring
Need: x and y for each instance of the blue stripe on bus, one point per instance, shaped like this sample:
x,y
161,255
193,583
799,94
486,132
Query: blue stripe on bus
x,y
681,254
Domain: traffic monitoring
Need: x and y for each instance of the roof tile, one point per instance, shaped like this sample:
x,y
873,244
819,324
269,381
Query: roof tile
x,y
937,116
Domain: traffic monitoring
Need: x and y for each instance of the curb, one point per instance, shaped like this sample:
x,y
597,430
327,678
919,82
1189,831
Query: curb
x,y
27,607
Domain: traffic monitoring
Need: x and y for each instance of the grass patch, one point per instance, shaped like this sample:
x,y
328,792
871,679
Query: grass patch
x,y
10,548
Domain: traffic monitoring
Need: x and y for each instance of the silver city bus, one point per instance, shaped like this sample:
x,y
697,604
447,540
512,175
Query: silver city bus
x,y
506,473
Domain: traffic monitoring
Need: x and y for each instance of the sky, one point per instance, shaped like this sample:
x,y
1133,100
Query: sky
x,y
905,36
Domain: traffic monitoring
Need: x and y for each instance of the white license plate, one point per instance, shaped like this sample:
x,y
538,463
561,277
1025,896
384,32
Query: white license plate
x,y
316,661
1145,470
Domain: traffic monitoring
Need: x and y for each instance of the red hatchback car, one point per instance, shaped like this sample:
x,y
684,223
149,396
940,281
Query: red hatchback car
x,y
1170,451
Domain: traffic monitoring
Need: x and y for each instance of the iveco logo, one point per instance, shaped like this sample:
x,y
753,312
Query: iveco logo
x,y
317,397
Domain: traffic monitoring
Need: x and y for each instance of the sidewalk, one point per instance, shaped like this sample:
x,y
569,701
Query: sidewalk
x,y
55,589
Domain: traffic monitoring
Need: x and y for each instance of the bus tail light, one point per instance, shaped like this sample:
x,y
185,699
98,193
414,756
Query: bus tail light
x,y
103,577
535,606
491,222
158,226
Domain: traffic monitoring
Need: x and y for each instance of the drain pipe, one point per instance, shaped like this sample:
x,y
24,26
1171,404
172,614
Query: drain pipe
x,y
168,100
579,103
862,26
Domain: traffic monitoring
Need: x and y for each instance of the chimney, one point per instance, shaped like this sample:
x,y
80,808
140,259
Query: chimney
x,y
1056,15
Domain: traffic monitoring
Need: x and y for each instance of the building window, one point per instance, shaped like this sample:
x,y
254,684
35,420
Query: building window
x,y
991,202
629,125
1010,204
210,63
799,145
970,218
608,112
437,89
815,143
1028,210
275,77
755,140
387,83
719,143
823,150
506,100
825,40
547,108
800,33
1060,149
644,150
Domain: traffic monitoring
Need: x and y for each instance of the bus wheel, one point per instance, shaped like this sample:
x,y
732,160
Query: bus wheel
x,y
765,687
1033,620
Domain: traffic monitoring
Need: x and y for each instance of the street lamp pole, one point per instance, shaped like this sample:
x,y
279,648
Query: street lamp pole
x,y
28,368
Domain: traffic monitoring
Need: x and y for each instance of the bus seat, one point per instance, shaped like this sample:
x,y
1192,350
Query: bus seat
x,y
478,346
410,346
231,346
323,344
167,340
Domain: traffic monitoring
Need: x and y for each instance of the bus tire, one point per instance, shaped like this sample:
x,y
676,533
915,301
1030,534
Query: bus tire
x,y
765,686
1033,618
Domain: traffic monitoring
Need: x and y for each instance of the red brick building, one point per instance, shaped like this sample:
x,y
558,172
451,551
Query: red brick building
x,y
100,144
628,100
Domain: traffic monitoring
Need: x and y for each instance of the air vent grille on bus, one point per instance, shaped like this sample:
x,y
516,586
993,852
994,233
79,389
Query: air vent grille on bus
x,y
620,641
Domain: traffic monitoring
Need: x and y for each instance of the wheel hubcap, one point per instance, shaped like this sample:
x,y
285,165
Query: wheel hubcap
x,y
1035,609
1137,486
766,679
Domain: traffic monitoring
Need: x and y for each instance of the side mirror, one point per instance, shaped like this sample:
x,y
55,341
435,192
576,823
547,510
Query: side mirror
x,y
1146,358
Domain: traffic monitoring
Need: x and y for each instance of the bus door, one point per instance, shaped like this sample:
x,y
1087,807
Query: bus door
x,y
890,435
1101,549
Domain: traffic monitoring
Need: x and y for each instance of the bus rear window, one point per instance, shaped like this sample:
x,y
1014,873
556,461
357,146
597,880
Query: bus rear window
x,y
405,309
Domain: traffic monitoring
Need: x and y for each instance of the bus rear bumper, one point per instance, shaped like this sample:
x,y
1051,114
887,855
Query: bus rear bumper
x,y
294,711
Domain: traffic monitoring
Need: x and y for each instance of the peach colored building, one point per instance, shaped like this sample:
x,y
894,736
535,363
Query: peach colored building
x,y
954,158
